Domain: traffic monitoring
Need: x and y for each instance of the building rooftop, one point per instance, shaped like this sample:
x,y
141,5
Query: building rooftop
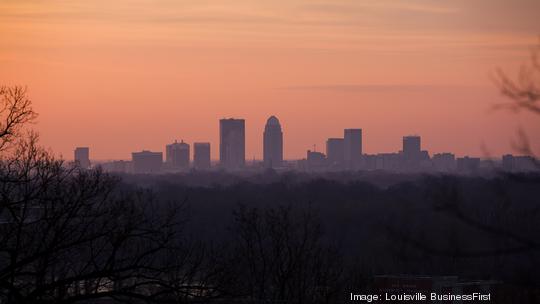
x,y
273,121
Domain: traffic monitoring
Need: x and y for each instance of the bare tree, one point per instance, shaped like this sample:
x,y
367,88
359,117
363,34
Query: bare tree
x,y
506,227
70,235
281,258
523,94
511,224
15,111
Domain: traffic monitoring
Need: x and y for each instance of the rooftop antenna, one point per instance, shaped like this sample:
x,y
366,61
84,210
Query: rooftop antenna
x,y
314,148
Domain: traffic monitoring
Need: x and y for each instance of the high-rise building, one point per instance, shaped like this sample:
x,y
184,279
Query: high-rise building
x,y
177,155
82,157
272,143
335,152
201,155
232,143
412,152
147,162
352,145
411,147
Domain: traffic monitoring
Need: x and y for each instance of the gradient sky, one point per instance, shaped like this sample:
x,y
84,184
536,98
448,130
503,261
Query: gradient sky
x,y
121,76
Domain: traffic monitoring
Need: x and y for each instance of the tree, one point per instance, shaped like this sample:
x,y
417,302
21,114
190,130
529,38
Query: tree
x,y
507,226
15,112
523,94
70,235
281,258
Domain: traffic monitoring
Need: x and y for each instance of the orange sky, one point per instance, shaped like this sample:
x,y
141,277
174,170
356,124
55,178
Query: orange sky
x,y
121,76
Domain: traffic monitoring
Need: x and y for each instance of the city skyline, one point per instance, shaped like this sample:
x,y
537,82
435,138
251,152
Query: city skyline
x,y
341,154
343,144
382,139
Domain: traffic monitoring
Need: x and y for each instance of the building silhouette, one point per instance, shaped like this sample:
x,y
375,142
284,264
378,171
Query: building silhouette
x,y
352,146
411,148
201,155
272,143
386,162
519,163
444,162
232,143
414,158
315,160
147,162
177,155
335,152
116,166
82,157
468,164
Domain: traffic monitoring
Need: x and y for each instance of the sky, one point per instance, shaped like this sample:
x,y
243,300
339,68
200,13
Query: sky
x,y
122,76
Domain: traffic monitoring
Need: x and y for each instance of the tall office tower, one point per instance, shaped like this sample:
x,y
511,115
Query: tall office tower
x,y
335,152
147,162
177,155
82,157
411,148
352,146
232,143
201,155
273,143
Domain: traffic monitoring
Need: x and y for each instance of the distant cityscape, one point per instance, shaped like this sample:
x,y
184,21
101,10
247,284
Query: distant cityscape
x,y
342,154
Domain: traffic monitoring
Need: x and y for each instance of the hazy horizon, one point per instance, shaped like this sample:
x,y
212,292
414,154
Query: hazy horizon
x,y
132,75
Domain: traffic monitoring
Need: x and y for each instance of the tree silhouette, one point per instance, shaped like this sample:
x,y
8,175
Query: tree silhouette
x,y
523,94
70,235
15,111
281,258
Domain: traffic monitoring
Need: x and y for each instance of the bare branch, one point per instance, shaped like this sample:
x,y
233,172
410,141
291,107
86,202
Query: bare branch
x,y
15,111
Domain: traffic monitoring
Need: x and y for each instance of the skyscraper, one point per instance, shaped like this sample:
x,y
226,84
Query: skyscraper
x,y
82,157
272,143
177,155
201,155
335,151
232,143
411,148
352,145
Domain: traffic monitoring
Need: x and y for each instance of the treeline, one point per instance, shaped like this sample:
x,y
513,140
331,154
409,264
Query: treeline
x,y
481,228
73,236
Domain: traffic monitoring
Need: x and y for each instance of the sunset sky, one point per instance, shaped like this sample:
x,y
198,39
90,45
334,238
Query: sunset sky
x,y
122,76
